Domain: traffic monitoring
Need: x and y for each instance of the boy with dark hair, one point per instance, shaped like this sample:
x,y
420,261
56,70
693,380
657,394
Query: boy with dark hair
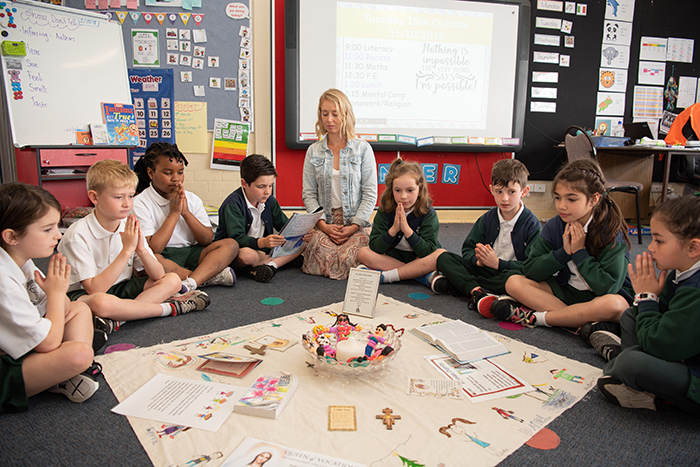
x,y
251,216
496,245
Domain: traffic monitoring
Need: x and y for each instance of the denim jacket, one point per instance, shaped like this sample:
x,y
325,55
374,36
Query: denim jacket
x,y
358,180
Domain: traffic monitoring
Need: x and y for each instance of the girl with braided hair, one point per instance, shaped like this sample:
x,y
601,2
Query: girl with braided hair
x,y
576,272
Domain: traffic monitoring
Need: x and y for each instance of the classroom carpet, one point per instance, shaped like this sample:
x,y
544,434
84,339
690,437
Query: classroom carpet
x,y
485,432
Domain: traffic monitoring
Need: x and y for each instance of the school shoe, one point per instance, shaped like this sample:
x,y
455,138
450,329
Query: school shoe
x,y
482,301
99,339
262,273
607,344
503,307
588,329
195,300
78,389
427,279
108,326
226,277
187,285
523,316
620,394
441,285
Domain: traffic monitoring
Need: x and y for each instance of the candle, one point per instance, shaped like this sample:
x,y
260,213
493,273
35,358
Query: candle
x,y
349,348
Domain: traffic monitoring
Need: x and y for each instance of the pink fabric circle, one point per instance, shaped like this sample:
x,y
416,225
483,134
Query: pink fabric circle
x,y
510,326
119,348
544,439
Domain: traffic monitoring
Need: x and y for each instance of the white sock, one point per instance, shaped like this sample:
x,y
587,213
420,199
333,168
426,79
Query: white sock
x,y
167,309
190,283
540,319
272,265
391,276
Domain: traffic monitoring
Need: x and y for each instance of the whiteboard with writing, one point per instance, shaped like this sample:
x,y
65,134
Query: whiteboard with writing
x,y
74,61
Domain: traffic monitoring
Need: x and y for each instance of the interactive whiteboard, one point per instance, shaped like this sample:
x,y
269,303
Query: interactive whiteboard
x,y
74,61
451,71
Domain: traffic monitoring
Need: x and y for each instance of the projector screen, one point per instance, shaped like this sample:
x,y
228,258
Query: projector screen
x,y
435,75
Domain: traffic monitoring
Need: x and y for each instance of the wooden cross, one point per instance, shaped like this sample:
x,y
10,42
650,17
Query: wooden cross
x,y
256,350
388,419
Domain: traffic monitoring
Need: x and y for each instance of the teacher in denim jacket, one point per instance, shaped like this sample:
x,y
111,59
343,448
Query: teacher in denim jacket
x,y
340,174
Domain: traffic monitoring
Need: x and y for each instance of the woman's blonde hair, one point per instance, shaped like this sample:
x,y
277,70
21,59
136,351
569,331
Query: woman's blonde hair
x,y
399,168
347,117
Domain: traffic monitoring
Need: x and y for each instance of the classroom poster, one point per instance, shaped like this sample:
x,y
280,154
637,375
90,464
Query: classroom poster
x,y
153,94
230,144
191,127
144,46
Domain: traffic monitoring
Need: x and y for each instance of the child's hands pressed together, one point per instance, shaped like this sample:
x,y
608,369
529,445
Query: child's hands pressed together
x,y
57,277
131,234
396,226
644,279
578,236
485,256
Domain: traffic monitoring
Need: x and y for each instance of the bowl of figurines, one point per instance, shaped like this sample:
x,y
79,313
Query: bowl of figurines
x,y
348,348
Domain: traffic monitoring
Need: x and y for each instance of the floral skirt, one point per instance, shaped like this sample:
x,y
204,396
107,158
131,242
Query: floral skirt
x,y
323,257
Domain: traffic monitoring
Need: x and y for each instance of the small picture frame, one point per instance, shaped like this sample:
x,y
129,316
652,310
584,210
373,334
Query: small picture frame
x,y
361,292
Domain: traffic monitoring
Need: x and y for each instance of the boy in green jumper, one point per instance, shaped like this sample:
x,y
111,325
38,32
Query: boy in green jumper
x,y
660,346
496,245
251,216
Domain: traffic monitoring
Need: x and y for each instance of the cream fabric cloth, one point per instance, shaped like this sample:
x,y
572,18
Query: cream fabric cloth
x,y
303,422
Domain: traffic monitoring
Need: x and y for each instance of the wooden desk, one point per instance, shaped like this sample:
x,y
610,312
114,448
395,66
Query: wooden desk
x,y
636,163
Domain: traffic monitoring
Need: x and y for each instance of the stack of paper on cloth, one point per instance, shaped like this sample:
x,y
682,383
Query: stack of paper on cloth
x,y
484,425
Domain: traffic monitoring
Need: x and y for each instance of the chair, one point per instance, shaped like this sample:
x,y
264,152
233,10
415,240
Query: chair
x,y
579,145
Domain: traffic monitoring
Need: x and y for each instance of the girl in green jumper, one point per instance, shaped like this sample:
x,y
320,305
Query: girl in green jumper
x,y
404,239
576,272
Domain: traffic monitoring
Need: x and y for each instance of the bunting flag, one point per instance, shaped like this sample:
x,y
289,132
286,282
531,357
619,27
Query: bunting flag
x,y
160,17
134,16
148,17
185,17
109,15
122,16
198,18
173,18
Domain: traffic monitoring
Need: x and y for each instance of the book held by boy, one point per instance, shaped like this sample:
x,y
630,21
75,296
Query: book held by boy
x,y
267,396
461,341
294,230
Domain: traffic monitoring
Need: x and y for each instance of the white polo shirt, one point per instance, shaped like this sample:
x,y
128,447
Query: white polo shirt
x,y
257,228
89,248
503,246
151,209
22,308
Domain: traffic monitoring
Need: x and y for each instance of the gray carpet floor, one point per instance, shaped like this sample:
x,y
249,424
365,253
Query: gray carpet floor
x,y
55,431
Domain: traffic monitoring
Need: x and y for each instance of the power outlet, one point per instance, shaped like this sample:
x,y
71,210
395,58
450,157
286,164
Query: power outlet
x,y
656,188
538,187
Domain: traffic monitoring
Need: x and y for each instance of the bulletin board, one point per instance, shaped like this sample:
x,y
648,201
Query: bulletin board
x,y
578,83
226,56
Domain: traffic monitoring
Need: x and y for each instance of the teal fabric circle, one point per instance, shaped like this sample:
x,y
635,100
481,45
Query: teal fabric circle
x,y
418,296
271,301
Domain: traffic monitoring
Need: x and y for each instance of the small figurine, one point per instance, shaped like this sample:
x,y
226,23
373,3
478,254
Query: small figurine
x,y
373,340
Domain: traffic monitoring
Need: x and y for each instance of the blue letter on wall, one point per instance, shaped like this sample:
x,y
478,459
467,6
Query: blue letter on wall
x,y
450,174
430,172
382,170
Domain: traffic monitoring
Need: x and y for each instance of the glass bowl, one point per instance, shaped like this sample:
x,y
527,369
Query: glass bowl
x,y
310,342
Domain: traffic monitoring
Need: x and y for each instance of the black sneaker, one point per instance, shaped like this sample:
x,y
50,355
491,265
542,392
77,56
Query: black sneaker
x,y
262,273
620,394
504,307
195,300
441,285
94,370
477,297
607,344
108,326
78,389
99,339
588,329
